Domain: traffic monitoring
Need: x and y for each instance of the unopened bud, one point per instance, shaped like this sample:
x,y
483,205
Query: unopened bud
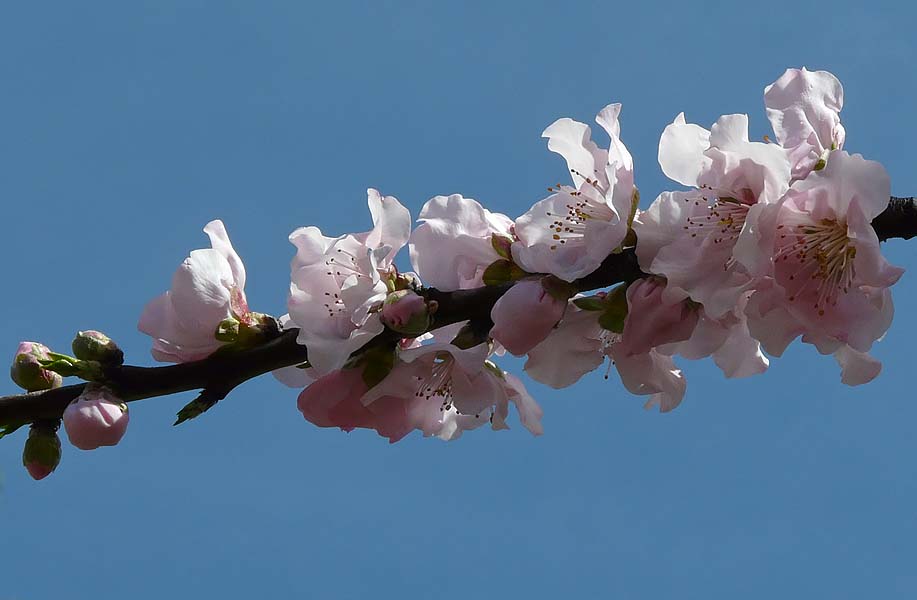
x,y
27,371
95,345
406,312
42,451
96,418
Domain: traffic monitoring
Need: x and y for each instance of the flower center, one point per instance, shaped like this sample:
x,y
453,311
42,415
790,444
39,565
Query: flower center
x,y
584,204
723,220
438,384
824,258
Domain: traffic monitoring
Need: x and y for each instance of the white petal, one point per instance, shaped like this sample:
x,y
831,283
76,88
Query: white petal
x,y
681,151
219,240
856,367
572,140
391,224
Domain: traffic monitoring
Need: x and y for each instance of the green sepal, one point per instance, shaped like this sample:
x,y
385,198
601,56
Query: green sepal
x,y
590,303
502,245
615,310
377,363
502,271
634,203
557,288
68,366
227,330
493,368
470,336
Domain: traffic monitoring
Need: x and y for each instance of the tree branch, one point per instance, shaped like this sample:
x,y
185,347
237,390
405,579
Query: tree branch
x,y
221,372
899,220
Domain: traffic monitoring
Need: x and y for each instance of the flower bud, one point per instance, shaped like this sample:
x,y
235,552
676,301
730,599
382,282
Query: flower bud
x,y
97,418
406,312
651,321
27,371
95,345
525,315
42,451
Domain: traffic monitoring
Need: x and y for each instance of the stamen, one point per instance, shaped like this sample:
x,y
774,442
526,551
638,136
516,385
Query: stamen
x,y
824,258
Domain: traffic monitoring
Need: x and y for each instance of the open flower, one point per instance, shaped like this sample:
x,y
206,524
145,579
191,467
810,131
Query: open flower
x,y
698,239
454,242
569,233
580,345
339,283
207,288
434,387
831,282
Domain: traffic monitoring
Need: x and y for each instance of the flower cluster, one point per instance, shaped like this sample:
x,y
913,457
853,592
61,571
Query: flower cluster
x,y
770,241
766,242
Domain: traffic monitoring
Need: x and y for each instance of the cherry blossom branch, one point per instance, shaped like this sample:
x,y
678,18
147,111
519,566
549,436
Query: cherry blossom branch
x,y
222,372
899,220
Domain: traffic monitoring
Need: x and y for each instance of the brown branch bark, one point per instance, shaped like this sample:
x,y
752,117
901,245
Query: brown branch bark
x,y
220,373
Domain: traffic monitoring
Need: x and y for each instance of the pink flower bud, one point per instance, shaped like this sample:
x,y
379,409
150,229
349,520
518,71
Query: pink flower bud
x,y
651,322
95,345
96,418
525,315
406,312
27,372
42,451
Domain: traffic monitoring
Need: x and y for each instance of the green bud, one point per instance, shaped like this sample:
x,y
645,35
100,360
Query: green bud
x,y
42,452
28,370
407,313
95,345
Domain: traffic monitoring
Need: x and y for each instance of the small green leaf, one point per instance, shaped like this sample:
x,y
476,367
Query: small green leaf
x,y
196,408
9,428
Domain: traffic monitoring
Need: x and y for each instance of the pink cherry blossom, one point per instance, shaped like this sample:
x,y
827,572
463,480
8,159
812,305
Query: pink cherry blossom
x,y
580,345
456,389
96,418
338,284
436,388
525,315
569,233
453,244
830,280
698,240
207,288
804,109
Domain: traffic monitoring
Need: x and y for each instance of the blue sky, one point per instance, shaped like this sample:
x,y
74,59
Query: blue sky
x,y
126,126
